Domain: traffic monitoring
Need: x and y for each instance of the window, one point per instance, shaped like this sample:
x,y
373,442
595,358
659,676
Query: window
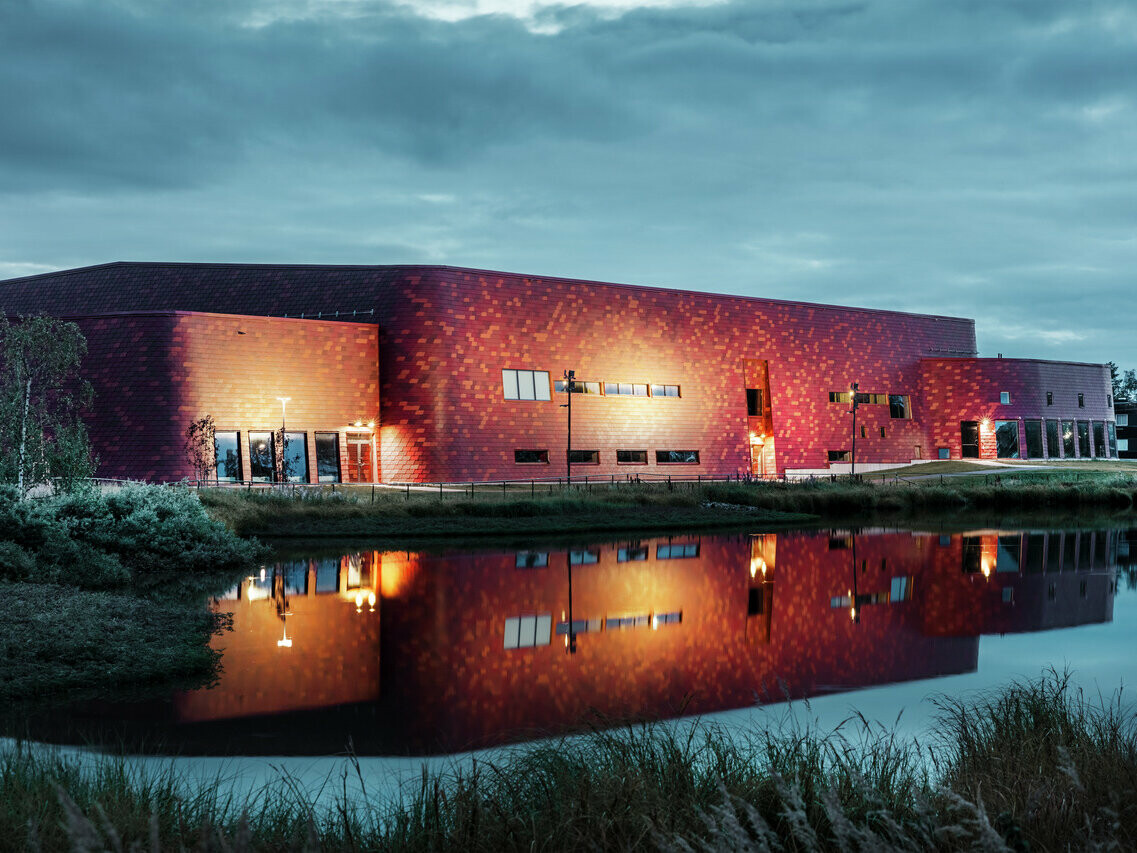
x,y
840,456
755,601
754,402
1033,439
1068,449
583,558
840,396
1123,420
625,389
1052,439
295,458
227,450
525,632
676,457
531,457
1084,439
619,623
1081,401
1004,397
584,457
579,386
883,434
327,576
900,589
1109,401
1112,431
580,626
1099,439
328,457
677,551
631,554
260,457
1007,439
864,431
665,390
1050,398
631,457
872,399
943,453
899,406
525,384
1123,445
531,559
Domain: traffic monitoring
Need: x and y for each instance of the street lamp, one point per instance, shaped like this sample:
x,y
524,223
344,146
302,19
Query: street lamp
x,y
280,453
570,384
283,406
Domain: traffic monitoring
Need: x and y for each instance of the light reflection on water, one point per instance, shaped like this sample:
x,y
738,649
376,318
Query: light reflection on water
x,y
438,652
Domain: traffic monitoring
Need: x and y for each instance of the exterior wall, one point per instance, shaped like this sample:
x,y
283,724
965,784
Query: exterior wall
x,y
1129,432
155,373
446,334
968,389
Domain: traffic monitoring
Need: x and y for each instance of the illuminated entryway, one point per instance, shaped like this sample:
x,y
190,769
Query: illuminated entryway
x,y
360,455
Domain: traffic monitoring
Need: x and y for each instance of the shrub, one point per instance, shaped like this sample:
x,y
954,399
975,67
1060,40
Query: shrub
x,y
15,562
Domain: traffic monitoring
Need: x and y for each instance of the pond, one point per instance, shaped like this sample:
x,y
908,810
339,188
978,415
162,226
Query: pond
x,y
434,652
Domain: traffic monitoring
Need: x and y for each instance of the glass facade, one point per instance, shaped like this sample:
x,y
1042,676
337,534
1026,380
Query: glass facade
x,y
295,459
1112,430
1052,439
1007,439
227,446
1068,440
328,457
1084,439
260,457
1033,439
1099,439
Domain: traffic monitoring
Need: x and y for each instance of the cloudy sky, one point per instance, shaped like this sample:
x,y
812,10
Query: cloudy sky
x,y
965,157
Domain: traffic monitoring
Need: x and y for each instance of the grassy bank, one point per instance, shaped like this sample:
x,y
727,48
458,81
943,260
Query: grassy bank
x,y
106,592
654,506
1031,767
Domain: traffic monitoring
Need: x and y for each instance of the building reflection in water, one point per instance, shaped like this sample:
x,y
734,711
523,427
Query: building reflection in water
x,y
459,649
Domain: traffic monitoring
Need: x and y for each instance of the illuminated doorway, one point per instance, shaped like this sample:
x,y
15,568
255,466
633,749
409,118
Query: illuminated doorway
x,y
359,467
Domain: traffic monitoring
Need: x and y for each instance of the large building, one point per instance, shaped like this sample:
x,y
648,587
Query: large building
x,y
430,373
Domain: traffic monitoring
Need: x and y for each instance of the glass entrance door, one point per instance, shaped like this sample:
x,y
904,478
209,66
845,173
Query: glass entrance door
x,y
358,458
969,436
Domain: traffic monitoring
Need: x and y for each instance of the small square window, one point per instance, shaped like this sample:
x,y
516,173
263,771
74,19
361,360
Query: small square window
x,y
943,453
1004,397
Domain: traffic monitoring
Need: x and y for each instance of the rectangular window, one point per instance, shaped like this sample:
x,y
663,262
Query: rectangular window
x,y
328,457
260,457
1084,439
579,386
1109,401
840,396
864,431
584,457
625,389
1123,420
665,390
295,459
1052,439
1007,439
327,576
1081,401
583,558
525,384
1004,397
754,402
631,457
872,399
1050,398
227,450
1099,440
532,559
1112,432
531,457
1123,445
631,554
677,551
1033,439
900,589
883,434
580,626
840,456
676,457
899,406
526,632
1068,439
943,453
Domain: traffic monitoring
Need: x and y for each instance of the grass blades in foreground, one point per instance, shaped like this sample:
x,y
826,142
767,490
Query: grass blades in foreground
x,y
1033,766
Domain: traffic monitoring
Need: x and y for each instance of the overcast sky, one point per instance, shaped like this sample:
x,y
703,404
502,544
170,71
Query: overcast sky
x,y
966,157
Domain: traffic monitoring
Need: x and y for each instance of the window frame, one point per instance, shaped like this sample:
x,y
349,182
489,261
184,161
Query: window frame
x,y
535,379
217,456
907,403
539,461
594,457
615,389
660,453
643,462
335,436
652,386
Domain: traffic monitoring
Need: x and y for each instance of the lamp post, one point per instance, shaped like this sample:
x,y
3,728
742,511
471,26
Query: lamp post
x,y
570,376
853,470
283,421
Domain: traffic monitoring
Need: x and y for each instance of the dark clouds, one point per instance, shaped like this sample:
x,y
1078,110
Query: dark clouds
x,y
964,158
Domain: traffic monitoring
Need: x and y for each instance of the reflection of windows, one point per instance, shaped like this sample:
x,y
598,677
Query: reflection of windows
x,y
840,543
1007,557
972,554
296,578
1034,560
525,384
1007,439
677,551
328,457
900,590
327,576
531,457
525,632
295,457
1008,595
260,457
580,626
620,623
631,457
579,386
228,455
584,457
899,406
665,390
756,601
667,618
354,571
625,389
532,559
676,457
631,554
583,558
754,402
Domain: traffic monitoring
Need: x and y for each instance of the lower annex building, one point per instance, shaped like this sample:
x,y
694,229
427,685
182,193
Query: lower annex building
x,y
433,373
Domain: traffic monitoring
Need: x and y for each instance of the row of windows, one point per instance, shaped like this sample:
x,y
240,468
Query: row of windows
x,y
623,457
527,632
626,554
899,405
1005,398
1072,436
534,385
262,457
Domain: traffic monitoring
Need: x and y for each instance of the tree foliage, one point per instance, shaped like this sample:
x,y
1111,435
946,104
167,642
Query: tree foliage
x,y
1124,384
41,394
201,447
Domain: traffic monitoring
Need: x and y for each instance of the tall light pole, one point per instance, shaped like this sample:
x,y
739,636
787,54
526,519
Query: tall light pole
x,y
283,410
283,422
853,392
570,384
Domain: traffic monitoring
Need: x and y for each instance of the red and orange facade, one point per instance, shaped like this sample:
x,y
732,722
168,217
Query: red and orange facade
x,y
431,374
